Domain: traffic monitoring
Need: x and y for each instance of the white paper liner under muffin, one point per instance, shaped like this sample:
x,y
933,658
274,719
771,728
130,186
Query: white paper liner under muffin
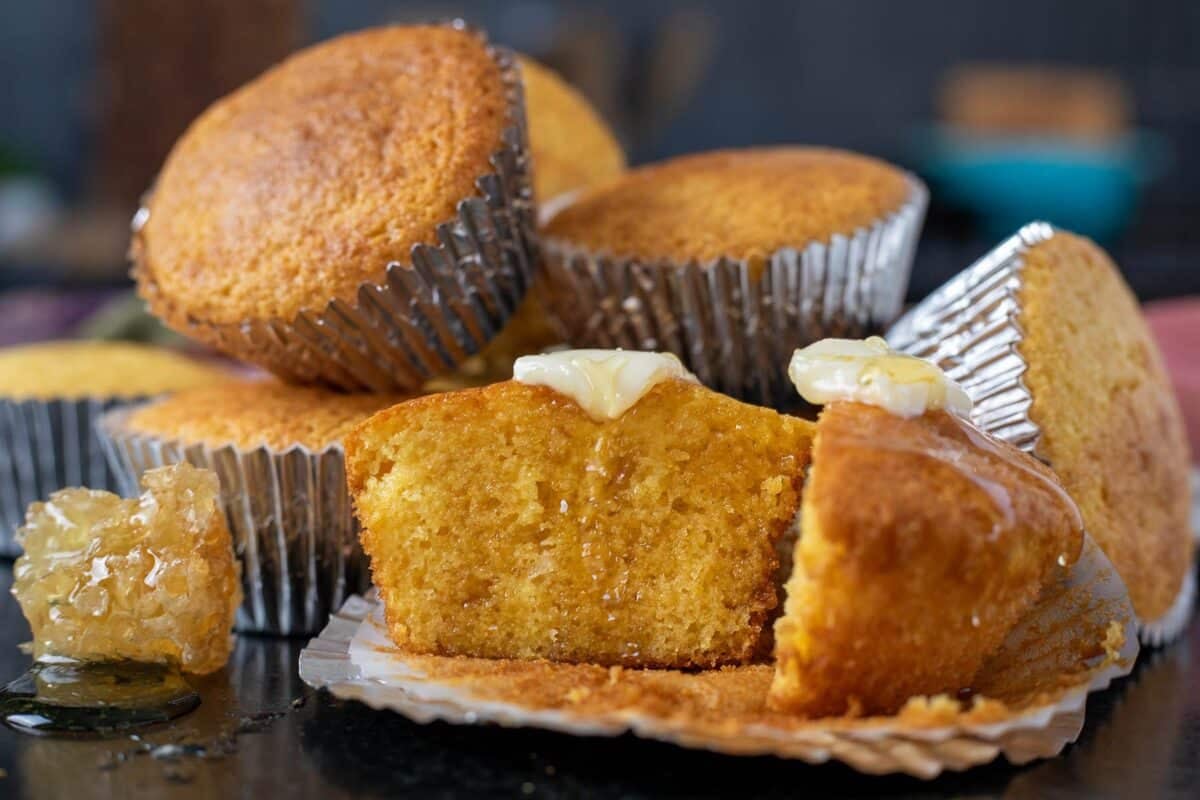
x,y
1043,673
731,330
970,328
425,317
47,445
289,515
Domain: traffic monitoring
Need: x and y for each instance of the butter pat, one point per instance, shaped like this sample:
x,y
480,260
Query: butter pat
x,y
605,383
868,371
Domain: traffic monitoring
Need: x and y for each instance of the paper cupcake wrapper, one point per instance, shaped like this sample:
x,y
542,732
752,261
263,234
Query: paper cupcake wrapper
x,y
731,329
425,317
1042,675
47,445
970,328
288,512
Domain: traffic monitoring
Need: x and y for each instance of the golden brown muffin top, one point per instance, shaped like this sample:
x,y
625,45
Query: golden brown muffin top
x,y
1110,425
306,182
571,144
78,369
743,204
251,413
923,542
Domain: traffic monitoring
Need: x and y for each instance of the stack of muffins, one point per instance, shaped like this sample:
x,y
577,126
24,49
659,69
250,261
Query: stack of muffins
x,y
361,221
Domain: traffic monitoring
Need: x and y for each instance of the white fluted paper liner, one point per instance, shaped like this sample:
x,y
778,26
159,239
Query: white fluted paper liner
x,y
425,317
970,328
288,512
1171,624
732,329
1041,676
47,445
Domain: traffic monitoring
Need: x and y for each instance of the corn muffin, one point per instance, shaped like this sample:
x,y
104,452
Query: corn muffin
x,y
51,396
79,369
922,543
572,146
1110,425
302,185
276,449
737,204
256,413
731,259
514,521
359,215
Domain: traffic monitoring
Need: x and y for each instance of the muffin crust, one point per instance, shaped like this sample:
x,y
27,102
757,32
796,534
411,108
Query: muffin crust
x,y
741,204
922,543
251,413
308,181
77,369
1110,425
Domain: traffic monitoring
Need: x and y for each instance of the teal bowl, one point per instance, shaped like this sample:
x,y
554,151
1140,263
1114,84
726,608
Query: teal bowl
x,y
1089,188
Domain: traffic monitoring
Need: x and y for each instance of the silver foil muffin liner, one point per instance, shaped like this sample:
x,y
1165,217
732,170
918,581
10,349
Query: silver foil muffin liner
x,y
731,329
427,316
47,445
970,328
289,514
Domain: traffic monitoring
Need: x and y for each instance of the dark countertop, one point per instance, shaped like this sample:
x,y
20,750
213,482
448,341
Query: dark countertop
x,y
1142,739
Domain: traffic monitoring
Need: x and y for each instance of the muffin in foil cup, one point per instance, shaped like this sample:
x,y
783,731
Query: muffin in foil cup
x,y
425,317
47,445
970,327
289,514
733,321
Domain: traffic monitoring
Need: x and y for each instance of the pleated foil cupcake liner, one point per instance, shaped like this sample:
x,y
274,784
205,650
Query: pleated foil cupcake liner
x,y
1077,640
970,328
47,445
732,326
289,514
427,316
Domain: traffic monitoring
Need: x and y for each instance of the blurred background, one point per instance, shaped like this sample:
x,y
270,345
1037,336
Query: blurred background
x,y
1086,113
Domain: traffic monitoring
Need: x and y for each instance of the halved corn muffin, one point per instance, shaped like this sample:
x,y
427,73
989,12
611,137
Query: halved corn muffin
x,y
507,522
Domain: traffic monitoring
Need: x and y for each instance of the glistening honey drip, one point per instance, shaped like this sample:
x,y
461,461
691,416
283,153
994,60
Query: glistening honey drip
x,y
95,698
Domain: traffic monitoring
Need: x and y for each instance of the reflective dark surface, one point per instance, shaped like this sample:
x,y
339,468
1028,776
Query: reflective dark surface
x,y
260,733
95,699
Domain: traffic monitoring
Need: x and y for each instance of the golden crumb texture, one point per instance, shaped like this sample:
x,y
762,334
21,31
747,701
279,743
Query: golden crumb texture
x,y
80,369
305,183
506,522
572,146
253,413
1110,424
739,204
923,542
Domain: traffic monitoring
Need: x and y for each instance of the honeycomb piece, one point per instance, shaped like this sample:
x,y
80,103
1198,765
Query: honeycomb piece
x,y
149,579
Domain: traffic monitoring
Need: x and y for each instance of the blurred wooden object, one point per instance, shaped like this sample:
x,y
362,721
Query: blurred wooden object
x,y
161,64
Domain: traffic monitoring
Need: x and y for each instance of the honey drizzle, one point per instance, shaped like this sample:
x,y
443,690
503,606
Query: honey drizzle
x,y
1000,496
